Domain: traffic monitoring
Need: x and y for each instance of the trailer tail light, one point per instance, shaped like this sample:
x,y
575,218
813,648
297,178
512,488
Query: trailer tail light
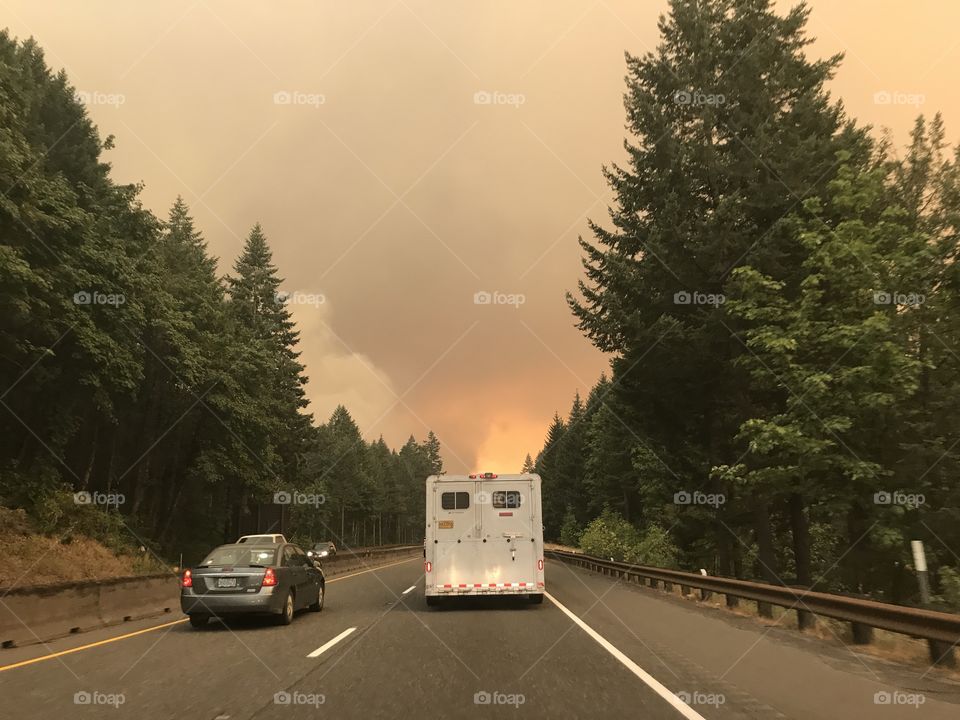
x,y
483,476
187,580
540,564
428,567
269,578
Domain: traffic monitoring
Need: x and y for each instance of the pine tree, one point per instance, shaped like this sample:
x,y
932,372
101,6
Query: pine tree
x,y
726,143
528,466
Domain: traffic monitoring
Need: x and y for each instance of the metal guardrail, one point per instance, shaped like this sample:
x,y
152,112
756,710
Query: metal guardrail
x,y
940,629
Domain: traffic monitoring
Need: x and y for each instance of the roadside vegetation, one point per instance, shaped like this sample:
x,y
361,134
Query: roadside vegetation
x,y
147,400
779,292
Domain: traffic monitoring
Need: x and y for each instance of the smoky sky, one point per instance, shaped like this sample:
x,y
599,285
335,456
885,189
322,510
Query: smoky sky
x,y
405,156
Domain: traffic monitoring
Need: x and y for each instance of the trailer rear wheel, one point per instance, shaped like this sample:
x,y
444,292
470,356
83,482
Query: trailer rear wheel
x,y
536,599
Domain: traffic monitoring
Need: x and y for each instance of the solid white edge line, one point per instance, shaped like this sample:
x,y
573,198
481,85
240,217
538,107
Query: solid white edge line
x,y
412,587
323,648
654,684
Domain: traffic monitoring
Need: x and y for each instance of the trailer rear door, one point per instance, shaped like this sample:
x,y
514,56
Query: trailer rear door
x,y
507,521
457,519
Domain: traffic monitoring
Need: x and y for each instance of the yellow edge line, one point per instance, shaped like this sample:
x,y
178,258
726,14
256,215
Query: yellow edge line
x,y
50,656
88,646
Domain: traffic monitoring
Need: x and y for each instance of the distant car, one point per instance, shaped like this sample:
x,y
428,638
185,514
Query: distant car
x,y
250,578
323,549
275,538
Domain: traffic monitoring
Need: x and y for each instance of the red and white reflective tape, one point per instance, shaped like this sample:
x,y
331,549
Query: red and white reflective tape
x,y
480,586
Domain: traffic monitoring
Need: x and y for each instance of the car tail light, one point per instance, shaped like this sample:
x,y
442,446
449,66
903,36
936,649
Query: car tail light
x,y
187,580
428,566
269,578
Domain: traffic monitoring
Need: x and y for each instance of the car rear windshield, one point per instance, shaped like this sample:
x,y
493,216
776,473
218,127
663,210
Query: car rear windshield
x,y
241,556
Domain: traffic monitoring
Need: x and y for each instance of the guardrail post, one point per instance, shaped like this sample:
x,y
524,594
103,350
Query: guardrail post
x,y
732,601
862,634
764,609
705,595
653,583
668,586
806,619
941,653
685,589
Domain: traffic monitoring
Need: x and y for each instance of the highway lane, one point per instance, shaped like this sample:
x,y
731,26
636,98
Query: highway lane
x,y
382,653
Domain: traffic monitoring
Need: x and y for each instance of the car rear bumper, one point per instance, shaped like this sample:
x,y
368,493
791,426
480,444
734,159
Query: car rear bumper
x,y
263,601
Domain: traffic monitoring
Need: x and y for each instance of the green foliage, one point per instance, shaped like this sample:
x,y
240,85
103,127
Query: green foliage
x,y
949,587
570,530
611,536
818,392
184,393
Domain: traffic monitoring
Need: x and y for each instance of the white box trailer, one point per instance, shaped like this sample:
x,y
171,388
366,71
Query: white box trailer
x,y
484,536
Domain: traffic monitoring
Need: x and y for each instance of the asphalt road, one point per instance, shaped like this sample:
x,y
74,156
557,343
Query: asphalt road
x,y
598,648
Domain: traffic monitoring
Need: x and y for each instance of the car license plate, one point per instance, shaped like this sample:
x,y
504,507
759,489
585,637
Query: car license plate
x,y
226,582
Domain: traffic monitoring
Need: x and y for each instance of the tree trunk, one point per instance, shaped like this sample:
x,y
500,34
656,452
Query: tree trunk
x,y
766,556
800,531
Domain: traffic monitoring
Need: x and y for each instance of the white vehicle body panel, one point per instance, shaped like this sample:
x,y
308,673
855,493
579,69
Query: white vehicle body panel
x,y
483,535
